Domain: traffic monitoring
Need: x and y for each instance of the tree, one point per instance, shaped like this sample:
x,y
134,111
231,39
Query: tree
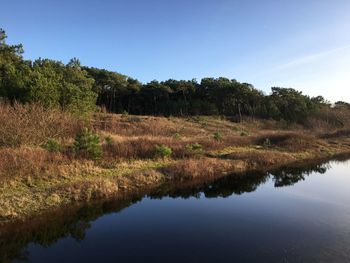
x,y
46,81
111,88
156,96
79,89
76,94
14,71
292,105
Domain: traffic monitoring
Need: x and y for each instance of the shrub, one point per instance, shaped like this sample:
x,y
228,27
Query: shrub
x,y
87,144
32,124
109,140
217,136
177,136
162,151
194,148
52,145
125,114
244,133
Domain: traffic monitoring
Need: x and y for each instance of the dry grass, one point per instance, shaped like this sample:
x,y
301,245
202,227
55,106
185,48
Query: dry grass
x,y
329,120
32,124
87,190
336,134
196,168
261,159
134,125
24,162
290,141
144,148
33,179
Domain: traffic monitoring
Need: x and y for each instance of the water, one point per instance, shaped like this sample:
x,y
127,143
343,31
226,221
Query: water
x,y
290,215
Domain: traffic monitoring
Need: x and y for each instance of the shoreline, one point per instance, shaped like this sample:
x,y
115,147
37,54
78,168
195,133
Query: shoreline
x,y
58,160
75,219
168,173
51,225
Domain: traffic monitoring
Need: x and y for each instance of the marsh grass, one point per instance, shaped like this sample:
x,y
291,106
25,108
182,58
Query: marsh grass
x,y
46,160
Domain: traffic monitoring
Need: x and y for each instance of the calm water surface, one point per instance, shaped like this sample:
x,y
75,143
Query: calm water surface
x,y
290,215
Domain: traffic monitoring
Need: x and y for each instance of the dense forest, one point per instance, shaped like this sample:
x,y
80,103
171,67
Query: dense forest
x,y
77,88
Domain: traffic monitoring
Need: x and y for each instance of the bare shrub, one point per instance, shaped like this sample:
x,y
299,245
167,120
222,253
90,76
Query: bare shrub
x,y
32,124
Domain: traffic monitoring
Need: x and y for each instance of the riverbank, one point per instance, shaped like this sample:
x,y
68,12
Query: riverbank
x,y
36,180
76,222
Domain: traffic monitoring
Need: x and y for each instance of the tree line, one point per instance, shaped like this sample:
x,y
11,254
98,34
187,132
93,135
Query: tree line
x,y
77,88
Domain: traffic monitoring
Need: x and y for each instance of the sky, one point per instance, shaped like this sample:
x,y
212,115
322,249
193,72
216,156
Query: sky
x,y
302,44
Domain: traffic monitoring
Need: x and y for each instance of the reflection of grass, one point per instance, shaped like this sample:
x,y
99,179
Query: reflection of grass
x,y
75,221
34,178
78,182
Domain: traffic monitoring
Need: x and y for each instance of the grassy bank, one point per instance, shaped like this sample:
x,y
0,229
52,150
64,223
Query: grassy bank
x,y
42,168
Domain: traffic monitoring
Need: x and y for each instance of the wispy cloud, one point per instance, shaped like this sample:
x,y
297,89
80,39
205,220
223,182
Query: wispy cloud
x,y
308,59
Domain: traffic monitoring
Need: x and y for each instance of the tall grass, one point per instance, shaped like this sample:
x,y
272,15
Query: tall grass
x,y
23,162
196,168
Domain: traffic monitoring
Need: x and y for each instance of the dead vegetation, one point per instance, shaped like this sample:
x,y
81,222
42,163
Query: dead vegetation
x,y
32,124
255,159
35,175
197,168
24,162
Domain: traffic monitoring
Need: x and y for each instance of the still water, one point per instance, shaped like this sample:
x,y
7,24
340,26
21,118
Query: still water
x,y
290,215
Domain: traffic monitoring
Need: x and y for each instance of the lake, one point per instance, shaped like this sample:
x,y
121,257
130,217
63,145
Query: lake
x,y
299,214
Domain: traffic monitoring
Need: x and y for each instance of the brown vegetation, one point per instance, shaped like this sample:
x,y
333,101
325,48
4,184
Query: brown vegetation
x,y
26,163
196,168
34,177
32,124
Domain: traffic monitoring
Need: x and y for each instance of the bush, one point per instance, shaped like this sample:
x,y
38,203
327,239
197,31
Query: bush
x,y
33,124
194,148
162,151
125,114
244,133
87,144
217,136
177,136
52,145
109,140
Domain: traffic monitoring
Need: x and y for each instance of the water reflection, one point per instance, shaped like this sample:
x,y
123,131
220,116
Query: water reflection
x,y
242,183
75,222
290,176
48,229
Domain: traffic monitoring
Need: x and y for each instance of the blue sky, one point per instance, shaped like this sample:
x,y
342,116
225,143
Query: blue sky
x,y
300,44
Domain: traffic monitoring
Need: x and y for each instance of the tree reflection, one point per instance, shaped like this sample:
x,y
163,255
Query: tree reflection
x,y
292,175
75,222
238,184
48,229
